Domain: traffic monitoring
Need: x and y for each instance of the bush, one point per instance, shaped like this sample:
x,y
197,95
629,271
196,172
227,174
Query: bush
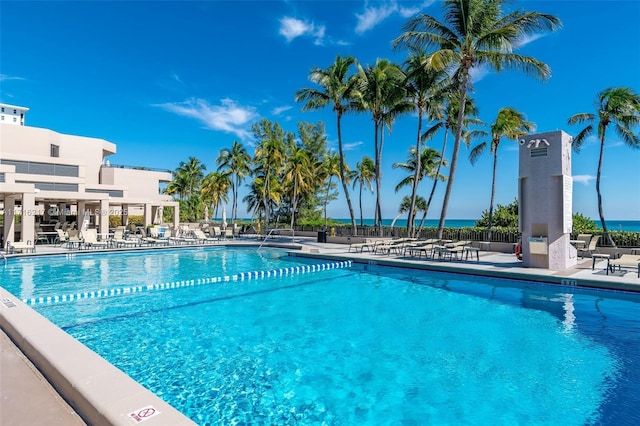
x,y
583,225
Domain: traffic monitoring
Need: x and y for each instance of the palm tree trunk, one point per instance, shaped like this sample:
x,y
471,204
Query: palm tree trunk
x,y
435,180
360,201
414,190
379,177
600,211
326,200
293,204
343,178
493,192
456,150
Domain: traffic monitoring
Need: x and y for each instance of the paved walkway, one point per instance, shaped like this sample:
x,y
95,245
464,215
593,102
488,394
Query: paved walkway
x,y
26,398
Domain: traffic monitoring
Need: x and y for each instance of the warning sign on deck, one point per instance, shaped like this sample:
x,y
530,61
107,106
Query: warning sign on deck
x,y
143,413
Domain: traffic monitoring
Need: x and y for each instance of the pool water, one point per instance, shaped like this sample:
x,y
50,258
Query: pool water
x,y
347,345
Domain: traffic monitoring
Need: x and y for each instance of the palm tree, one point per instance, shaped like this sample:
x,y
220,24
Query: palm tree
x,y
235,161
620,107
382,93
510,124
298,173
336,90
429,160
269,158
330,167
424,87
215,188
363,175
447,117
475,33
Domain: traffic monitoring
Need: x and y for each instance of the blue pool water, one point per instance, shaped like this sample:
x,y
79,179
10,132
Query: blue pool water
x,y
346,345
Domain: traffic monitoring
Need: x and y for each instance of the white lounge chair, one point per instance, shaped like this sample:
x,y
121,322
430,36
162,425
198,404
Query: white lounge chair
x,y
90,238
20,246
119,238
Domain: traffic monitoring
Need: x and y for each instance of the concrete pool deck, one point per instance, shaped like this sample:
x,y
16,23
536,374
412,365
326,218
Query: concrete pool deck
x,y
34,365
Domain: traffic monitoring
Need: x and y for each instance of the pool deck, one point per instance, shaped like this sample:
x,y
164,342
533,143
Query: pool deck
x,y
27,397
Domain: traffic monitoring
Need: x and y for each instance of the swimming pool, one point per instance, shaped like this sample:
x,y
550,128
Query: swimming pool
x,y
315,341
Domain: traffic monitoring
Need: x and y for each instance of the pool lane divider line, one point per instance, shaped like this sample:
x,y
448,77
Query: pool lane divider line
x,y
242,276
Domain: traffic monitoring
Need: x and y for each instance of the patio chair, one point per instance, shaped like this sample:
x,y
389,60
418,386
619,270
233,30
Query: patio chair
x,y
20,246
119,238
202,238
74,239
591,247
627,261
61,238
90,237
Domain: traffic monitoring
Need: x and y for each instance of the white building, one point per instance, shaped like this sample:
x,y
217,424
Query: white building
x,y
43,172
12,114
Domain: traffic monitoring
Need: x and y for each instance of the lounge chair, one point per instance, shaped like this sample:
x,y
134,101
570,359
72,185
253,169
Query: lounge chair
x,y
451,250
119,238
396,245
420,247
627,261
73,239
61,238
20,246
369,245
202,238
151,240
591,247
90,239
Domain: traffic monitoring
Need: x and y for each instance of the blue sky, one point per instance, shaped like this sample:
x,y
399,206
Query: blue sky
x,y
170,80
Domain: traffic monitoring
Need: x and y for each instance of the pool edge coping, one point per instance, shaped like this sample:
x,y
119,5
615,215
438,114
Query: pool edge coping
x,y
97,390
469,269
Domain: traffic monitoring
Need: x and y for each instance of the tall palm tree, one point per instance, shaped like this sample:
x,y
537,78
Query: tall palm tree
x,y
269,158
236,161
424,87
446,119
617,106
382,93
330,167
298,172
510,124
429,161
364,173
193,169
215,190
475,33
336,90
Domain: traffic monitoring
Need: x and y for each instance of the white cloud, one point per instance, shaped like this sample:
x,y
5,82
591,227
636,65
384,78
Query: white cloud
x,y
176,77
291,28
352,145
477,73
227,117
5,77
280,110
583,179
372,16
407,12
528,38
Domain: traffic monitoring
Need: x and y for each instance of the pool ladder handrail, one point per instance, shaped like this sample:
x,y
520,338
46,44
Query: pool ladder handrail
x,y
293,233
3,257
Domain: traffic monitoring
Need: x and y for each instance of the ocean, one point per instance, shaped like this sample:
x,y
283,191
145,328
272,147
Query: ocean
x,y
613,225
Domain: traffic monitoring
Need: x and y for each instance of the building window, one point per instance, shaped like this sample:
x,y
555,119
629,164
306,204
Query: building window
x,y
2,117
15,111
2,109
55,150
14,119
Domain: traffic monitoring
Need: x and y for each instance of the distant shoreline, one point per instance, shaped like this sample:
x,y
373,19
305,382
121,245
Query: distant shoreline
x,y
613,225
